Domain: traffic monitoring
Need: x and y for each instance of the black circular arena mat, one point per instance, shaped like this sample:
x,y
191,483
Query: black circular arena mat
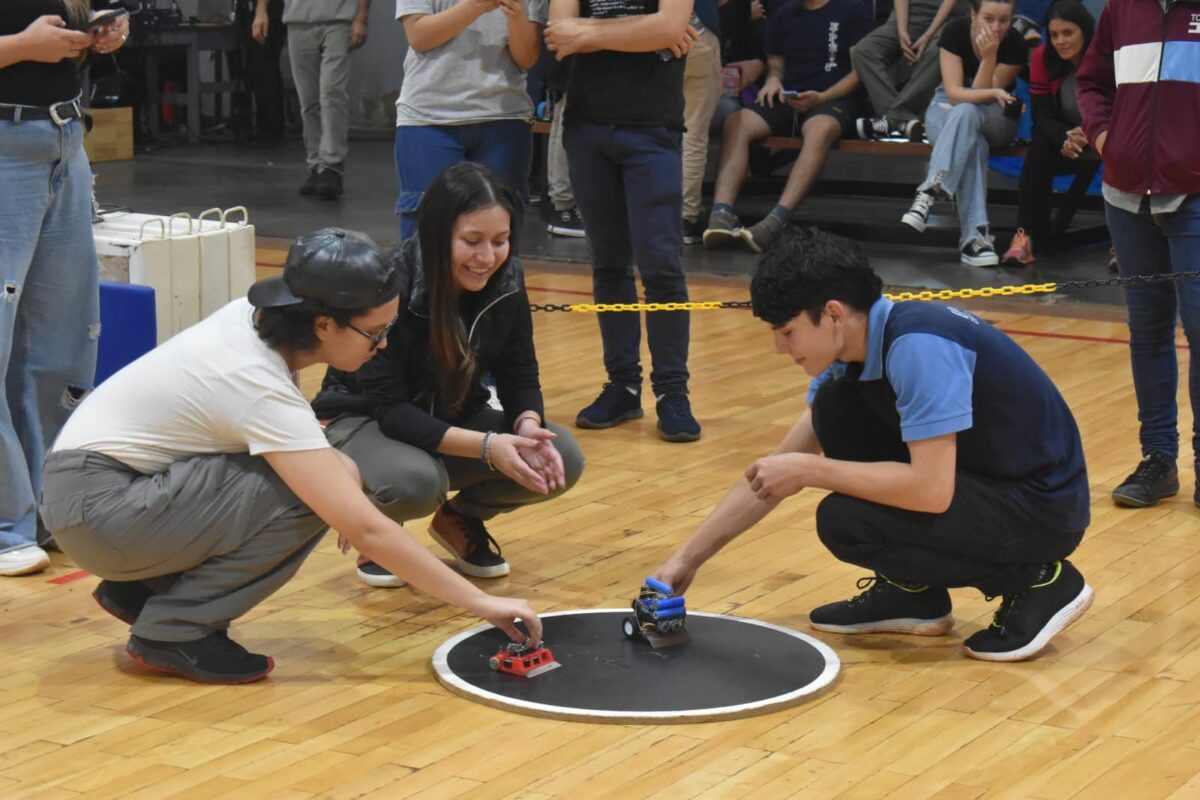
x,y
731,667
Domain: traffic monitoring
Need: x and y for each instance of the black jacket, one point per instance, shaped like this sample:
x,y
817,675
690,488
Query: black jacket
x,y
396,387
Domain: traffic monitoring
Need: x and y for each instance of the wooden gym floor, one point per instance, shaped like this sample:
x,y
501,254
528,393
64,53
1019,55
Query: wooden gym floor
x,y
1110,710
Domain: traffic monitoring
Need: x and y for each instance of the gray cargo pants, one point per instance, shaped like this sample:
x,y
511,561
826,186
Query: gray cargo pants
x,y
213,535
407,483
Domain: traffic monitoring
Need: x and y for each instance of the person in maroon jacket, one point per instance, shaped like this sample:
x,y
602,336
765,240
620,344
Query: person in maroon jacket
x,y
1139,94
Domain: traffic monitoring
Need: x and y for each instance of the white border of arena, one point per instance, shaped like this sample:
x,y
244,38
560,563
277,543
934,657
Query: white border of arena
x,y
461,687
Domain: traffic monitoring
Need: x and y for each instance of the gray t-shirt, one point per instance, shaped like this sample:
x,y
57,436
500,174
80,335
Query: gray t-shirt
x,y
309,11
471,78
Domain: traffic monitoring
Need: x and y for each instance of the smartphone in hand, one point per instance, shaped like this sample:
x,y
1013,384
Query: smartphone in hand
x,y
103,18
665,54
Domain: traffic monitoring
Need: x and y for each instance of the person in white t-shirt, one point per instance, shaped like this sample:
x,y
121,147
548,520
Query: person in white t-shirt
x,y
197,479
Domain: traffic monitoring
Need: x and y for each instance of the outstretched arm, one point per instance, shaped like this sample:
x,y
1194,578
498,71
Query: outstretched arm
x,y
737,512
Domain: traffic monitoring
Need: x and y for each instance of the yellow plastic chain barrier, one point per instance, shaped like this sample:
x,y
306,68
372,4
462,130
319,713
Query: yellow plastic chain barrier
x,y
942,294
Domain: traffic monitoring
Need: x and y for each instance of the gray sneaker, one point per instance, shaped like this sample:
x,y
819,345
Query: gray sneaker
x,y
763,234
723,230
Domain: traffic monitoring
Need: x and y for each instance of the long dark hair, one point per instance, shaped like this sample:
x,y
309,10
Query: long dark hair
x,y
1074,12
461,189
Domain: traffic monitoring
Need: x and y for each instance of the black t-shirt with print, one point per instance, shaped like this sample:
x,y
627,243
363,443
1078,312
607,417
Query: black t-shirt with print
x,y
815,45
616,88
956,39
32,83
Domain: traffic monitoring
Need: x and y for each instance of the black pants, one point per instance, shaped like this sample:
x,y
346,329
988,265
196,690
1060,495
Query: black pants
x,y
1035,191
988,538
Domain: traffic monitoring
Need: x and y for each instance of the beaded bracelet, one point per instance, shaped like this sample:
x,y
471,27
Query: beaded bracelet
x,y
485,452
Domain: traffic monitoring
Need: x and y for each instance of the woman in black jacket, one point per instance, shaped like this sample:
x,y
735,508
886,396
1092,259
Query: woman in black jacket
x,y
417,418
1058,139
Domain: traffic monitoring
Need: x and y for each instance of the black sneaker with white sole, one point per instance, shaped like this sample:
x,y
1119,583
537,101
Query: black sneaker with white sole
x,y
917,216
1027,620
214,659
372,574
1156,477
979,252
887,606
567,222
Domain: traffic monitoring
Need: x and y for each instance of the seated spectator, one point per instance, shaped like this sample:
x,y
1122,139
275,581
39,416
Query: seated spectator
x,y
898,66
1058,138
743,26
971,112
810,91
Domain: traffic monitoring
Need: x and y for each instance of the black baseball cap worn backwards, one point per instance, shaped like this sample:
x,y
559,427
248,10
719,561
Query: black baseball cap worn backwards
x,y
339,268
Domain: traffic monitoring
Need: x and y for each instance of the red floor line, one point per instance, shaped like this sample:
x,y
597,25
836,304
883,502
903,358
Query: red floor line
x,y
70,577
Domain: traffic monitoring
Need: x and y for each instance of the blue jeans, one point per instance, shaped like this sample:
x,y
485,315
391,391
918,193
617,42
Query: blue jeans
x,y
423,151
49,306
628,184
1156,244
962,135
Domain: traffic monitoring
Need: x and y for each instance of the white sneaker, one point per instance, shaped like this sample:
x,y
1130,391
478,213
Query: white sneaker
x,y
23,561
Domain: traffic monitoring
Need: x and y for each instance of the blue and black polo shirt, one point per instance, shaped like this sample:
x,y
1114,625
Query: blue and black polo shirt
x,y
946,371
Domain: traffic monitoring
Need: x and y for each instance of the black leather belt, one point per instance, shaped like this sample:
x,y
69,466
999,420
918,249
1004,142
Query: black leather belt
x,y
59,113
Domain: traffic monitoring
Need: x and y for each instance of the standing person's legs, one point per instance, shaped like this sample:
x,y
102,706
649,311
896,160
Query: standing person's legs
x,y
304,55
507,147
558,175
421,153
597,178
1143,249
1183,237
335,96
49,315
650,161
701,91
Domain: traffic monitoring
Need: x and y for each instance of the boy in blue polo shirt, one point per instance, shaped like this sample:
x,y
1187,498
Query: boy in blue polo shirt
x,y
952,458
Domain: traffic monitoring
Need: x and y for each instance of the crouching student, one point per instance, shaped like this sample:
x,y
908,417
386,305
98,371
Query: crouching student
x,y
417,419
952,459
197,479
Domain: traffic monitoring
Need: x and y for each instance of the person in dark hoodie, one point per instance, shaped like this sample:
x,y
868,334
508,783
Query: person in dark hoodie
x,y
1139,95
417,420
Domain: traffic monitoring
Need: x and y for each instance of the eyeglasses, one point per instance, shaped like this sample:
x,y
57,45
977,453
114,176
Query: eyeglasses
x,y
376,339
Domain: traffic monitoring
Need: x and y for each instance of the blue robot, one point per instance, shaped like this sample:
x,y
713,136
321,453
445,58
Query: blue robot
x,y
658,614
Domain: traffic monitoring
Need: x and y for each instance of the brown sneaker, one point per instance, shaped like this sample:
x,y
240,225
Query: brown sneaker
x,y
473,548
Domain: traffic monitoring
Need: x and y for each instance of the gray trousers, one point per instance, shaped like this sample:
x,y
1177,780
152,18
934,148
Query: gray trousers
x,y
407,483
214,536
558,175
880,65
320,56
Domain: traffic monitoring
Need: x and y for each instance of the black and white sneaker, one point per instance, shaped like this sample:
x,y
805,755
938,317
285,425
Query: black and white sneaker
x,y
693,232
917,217
872,128
372,574
888,606
979,252
1156,477
1027,620
567,223
214,659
